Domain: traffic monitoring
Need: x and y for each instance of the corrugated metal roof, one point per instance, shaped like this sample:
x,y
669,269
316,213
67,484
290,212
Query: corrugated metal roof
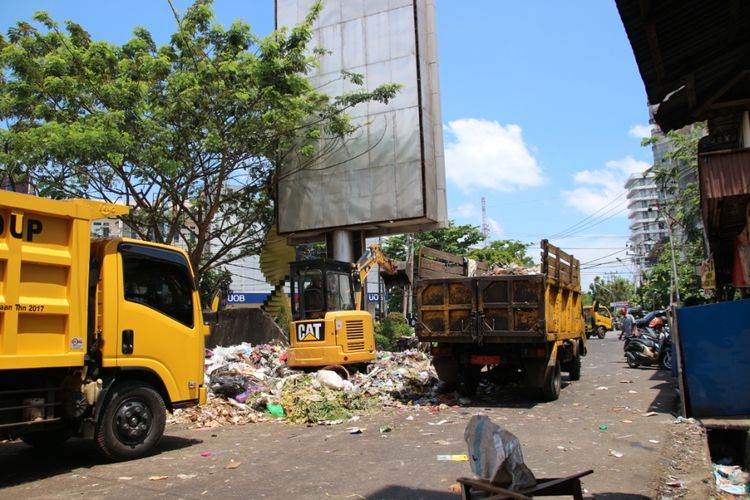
x,y
725,174
687,48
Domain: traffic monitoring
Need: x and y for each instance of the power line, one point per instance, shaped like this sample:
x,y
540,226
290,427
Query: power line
x,y
577,227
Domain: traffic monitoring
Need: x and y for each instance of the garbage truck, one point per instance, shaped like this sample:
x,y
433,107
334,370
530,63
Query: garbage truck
x,y
99,338
508,325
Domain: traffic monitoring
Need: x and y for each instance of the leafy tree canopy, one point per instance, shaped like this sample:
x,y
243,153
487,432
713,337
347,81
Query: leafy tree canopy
x,y
455,239
190,134
611,289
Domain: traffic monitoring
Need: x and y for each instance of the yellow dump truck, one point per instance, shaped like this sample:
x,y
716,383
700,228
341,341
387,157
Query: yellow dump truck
x,y
597,320
510,326
98,338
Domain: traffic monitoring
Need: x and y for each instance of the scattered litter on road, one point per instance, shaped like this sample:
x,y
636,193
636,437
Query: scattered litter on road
x,y
385,429
443,442
158,478
615,453
632,392
654,441
453,458
626,421
185,476
206,454
355,430
602,388
603,427
232,465
732,479
626,381
124,478
438,423
650,414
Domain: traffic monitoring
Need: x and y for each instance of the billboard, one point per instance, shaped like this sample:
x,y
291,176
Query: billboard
x,y
390,177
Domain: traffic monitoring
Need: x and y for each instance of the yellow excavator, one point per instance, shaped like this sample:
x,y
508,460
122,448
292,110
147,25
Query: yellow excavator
x,y
329,323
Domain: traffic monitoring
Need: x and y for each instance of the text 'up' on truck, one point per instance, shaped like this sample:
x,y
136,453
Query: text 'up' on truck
x,y
98,338
524,328
330,325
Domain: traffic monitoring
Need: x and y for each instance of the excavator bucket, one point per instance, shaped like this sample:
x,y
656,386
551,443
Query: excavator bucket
x,y
399,278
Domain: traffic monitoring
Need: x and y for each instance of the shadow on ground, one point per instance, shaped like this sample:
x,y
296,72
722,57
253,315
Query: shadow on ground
x,y
21,463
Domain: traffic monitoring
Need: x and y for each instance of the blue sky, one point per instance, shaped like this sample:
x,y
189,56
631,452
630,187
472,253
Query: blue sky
x,y
543,100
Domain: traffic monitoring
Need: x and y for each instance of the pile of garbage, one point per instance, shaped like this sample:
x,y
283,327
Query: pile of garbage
x,y
512,270
249,383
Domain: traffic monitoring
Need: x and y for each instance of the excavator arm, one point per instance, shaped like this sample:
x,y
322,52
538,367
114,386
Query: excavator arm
x,y
372,257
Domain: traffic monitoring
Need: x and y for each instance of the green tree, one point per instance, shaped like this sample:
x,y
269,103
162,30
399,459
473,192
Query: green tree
x,y
676,178
455,239
214,281
657,282
610,289
190,134
503,253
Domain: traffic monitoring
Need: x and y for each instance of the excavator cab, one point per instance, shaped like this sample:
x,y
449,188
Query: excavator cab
x,y
319,286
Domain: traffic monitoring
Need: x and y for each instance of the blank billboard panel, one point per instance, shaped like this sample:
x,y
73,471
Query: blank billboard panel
x,y
390,176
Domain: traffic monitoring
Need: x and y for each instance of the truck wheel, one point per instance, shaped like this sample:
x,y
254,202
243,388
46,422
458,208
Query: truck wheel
x,y
132,423
574,373
601,332
552,383
468,380
45,439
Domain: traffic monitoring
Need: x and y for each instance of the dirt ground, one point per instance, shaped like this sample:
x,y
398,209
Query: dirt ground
x,y
616,420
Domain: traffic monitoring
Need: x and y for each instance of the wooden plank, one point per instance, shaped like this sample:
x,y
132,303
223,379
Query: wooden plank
x,y
440,255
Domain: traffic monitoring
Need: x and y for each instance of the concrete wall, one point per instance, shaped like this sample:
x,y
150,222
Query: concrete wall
x,y
244,325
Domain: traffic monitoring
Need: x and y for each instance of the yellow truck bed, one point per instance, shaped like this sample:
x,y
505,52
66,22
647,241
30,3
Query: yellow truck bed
x,y
44,272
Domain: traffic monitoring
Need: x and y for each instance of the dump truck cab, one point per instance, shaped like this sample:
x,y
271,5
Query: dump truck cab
x,y
98,338
598,320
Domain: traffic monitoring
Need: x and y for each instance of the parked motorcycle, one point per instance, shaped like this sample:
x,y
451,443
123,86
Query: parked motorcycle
x,y
650,347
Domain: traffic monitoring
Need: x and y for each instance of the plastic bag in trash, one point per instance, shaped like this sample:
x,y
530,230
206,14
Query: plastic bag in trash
x,y
495,454
227,385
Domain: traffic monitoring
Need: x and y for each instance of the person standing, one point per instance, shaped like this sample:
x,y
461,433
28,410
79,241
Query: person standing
x,y
628,325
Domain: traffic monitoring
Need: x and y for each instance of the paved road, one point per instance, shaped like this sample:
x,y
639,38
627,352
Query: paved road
x,y
595,419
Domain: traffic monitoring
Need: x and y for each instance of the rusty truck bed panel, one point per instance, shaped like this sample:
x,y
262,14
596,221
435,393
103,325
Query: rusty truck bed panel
x,y
500,308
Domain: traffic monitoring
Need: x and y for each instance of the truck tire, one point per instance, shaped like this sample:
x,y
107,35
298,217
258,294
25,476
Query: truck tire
x,y
601,332
552,383
45,439
467,380
132,423
574,371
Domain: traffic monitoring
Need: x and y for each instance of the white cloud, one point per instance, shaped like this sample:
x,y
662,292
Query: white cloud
x,y
601,192
465,211
486,154
496,230
640,131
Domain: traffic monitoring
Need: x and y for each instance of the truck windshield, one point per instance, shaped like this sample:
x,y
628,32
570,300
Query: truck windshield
x,y
160,283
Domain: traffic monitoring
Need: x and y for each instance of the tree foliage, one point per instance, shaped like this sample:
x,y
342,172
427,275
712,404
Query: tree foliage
x,y
455,239
190,134
611,289
676,179
657,282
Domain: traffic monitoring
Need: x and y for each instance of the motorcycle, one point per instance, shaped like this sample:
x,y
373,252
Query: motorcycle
x,y
649,348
